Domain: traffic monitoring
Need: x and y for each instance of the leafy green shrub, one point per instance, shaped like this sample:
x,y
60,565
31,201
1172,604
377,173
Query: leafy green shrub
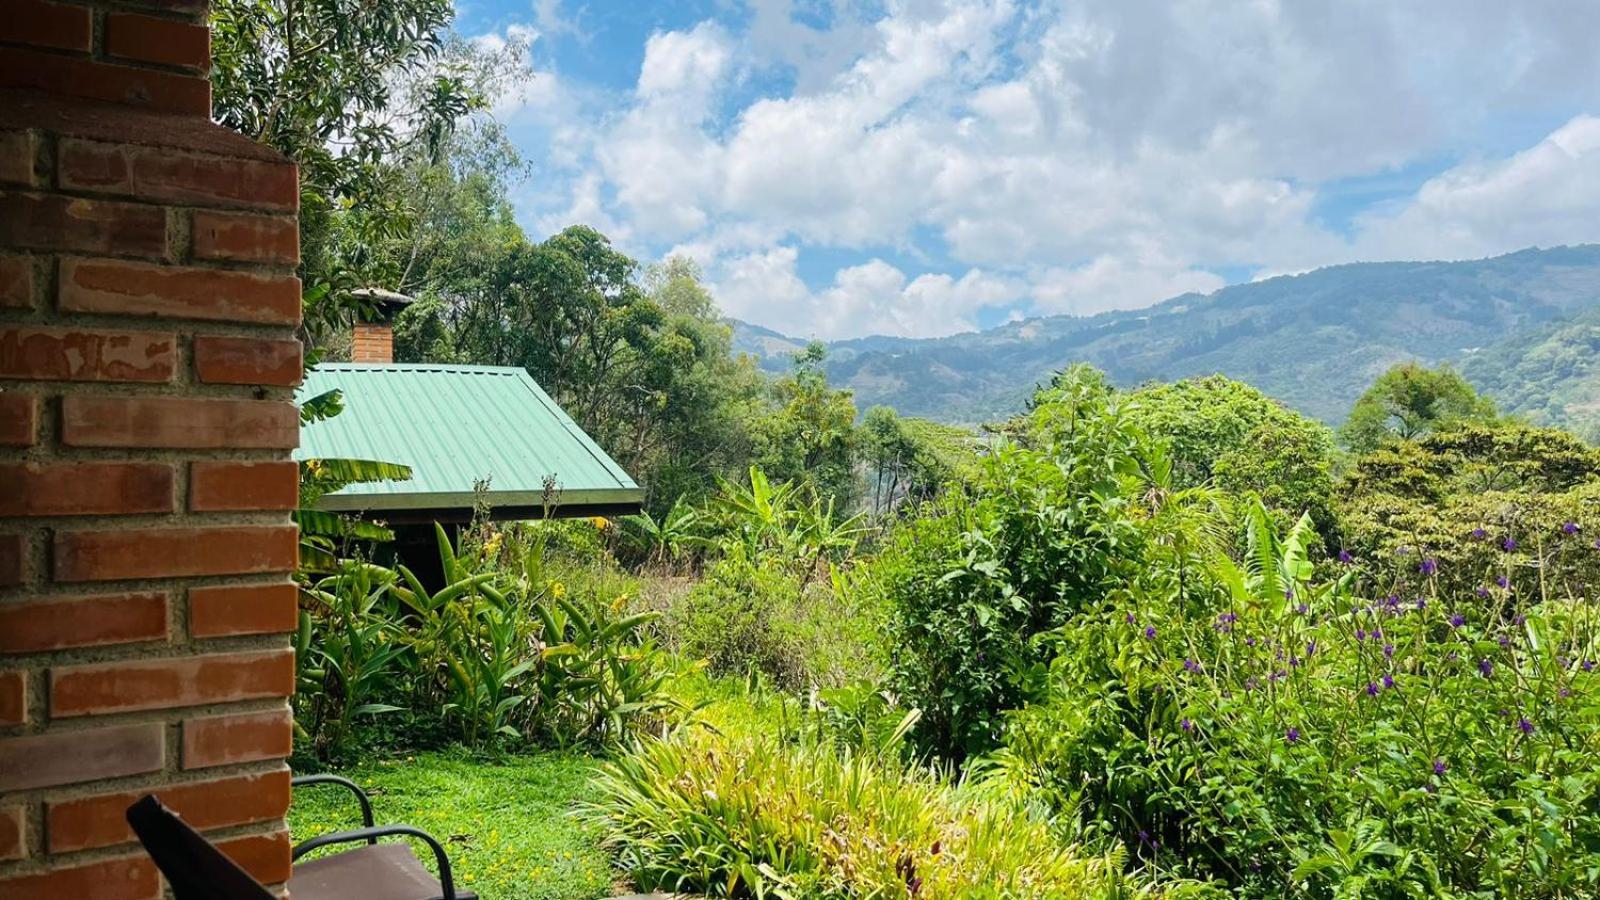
x,y
1305,737
1046,532
502,651
1456,498
758,818
1229,434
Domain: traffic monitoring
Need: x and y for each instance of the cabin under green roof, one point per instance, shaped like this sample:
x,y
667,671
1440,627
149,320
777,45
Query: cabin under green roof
x,y
457,426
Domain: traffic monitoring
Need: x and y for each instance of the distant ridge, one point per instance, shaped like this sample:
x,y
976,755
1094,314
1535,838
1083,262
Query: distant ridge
x,y
1314,341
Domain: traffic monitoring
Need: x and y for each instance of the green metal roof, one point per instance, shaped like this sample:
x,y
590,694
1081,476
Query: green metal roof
x,y
454,426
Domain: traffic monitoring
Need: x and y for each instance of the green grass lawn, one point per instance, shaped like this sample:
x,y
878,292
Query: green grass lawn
x,y
507,824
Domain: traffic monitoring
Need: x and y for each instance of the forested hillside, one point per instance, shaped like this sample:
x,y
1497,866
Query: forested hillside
x,y
1550,375
1313,340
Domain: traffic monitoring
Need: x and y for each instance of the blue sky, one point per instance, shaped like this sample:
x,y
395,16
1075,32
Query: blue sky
x,y
931,166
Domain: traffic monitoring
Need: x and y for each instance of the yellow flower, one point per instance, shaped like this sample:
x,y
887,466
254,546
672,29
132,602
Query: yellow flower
x,y
600,522
557,589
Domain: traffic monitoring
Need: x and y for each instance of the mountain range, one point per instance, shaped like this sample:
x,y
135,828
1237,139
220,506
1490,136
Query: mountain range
x,y
1524,327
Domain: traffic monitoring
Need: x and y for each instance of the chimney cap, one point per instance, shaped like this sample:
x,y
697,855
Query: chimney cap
x,y
388,303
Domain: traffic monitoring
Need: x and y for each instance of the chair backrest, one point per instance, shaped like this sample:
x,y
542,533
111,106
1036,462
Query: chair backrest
x,y
194,866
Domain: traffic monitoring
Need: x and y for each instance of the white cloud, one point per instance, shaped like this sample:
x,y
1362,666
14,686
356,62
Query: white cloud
x,y
677,62
1546,195
874,297
1101,154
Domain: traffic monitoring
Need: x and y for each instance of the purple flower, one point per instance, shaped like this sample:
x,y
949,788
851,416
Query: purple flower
x,y
1372,689
1525,725
1570,528
1288,593
1150,631
1361,634
1597,543
1302,609
1457,620
1564,693
1388,681
1588,665
1249,642
1311,647
1191,666
1428,567
1509,544
1504,582
1503,641
1388,651
1130,618
1479,534
1345,557
1186,725
1486,667
1439,767
1428,788
1483,593
1292,735
1251,683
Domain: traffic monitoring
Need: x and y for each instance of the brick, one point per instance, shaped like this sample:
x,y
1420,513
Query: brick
x,y
171,176
40,24
56,624
178,422
173,552
13,699
69,489
243,609
372,343
13,559
124,878
19,419
163,41
13,833
17,156
170,683
238,486
72,76
238,237
98,821
119,288
229,740
228,360
264,856
77,354
16,282
74,224
69,757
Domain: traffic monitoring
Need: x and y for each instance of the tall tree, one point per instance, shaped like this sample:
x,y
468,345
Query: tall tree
x,y
1411,401
346,89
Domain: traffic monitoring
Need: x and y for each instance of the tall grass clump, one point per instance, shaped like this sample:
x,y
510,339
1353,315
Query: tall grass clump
x,y
760,817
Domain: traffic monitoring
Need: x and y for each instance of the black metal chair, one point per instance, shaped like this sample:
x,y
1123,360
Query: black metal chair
x,y
197,870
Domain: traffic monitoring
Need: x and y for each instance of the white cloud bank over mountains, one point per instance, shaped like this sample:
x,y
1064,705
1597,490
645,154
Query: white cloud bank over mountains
x,y
983,156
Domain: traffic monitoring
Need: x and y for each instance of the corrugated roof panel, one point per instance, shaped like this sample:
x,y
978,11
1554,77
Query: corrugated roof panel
x,y
454,426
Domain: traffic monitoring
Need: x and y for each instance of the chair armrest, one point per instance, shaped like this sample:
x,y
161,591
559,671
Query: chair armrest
x,y
361,796
371,835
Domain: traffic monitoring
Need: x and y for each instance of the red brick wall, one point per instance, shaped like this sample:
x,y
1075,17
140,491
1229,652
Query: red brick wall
x,y
147,363
372,342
